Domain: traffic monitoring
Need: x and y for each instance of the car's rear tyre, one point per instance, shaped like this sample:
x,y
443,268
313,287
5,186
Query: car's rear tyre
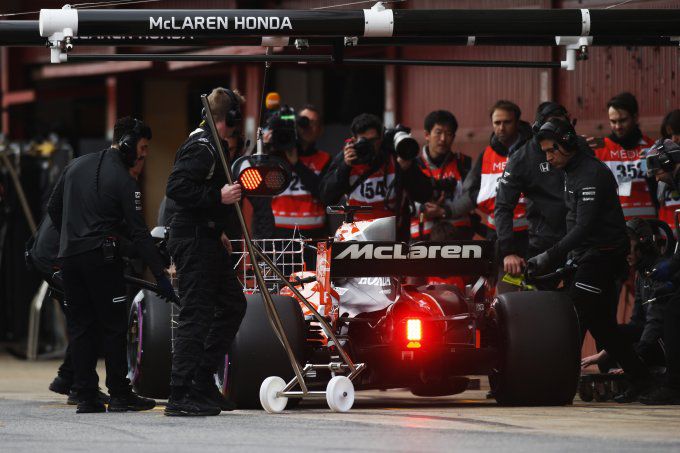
x,y
257,353
149,345
539,345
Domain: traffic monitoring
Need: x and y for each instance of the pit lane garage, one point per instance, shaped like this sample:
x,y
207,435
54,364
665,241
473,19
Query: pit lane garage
x,y
354,323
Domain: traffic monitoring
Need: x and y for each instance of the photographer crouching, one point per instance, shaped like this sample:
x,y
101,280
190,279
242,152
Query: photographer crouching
x,y
377,169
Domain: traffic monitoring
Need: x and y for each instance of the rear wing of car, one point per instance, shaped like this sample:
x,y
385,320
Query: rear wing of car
x,y
421,259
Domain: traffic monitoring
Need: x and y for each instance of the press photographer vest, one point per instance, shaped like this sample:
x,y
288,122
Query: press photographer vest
x,y
376,191
628,167
449,169
493,165
296,206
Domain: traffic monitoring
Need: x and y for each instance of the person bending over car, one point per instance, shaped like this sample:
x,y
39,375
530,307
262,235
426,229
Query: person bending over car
x,y
596,241
368,174
645,327
93,196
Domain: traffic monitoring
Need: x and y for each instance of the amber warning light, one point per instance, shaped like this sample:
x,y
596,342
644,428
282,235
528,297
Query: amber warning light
x,y
262,175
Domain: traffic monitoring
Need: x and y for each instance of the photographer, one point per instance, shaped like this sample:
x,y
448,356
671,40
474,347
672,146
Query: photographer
x,y
298,207
663,162
93,196
446,171
369,173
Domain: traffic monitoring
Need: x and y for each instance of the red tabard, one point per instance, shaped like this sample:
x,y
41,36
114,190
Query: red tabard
x,y
296,206
493,165
628,168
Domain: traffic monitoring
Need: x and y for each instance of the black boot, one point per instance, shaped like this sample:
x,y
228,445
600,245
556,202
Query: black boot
x,y
663,395
90,406
61,385
211,395
130,402
73,398
185,403
633,392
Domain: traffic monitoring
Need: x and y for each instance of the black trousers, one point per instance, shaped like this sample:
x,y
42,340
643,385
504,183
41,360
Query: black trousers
x,y
671,339
593,290
212,307
96,313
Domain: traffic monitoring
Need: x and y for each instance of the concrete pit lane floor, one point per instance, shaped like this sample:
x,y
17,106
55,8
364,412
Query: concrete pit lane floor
x,y
34,419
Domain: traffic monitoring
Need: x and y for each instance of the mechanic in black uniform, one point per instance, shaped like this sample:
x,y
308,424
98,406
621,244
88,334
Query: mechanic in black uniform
x,y
645,327
93,196
596,241
663,162
212,299
528,174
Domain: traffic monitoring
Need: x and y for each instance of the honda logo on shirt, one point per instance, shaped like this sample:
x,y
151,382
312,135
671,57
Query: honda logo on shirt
x,y
544,166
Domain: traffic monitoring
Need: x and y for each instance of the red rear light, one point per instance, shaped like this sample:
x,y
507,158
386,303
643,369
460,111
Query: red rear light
x,y
414,333
250,179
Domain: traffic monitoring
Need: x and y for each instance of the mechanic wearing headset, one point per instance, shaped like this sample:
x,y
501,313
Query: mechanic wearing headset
x,y
41,258
93,196
663,162
597,241
212,301
528,174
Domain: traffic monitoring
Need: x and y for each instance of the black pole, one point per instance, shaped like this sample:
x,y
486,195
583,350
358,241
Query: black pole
x,y
457,63
406,23
20,33
314,59
25,33
184,57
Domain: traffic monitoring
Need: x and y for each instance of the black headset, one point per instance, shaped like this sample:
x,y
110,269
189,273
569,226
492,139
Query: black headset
x,y
562,130
549,109
233,116
127,145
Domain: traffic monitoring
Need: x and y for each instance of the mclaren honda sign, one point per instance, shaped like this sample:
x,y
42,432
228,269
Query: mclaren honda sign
x,y
198,23
359,259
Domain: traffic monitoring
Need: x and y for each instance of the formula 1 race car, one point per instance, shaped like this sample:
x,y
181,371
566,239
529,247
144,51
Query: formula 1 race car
x,y
428,338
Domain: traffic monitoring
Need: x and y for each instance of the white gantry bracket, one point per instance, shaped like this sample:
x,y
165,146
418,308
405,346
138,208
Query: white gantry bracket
x,y
574,45
59,26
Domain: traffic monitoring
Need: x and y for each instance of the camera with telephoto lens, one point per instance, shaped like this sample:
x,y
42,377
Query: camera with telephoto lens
x,y
398,141
365,151
284,130
447,186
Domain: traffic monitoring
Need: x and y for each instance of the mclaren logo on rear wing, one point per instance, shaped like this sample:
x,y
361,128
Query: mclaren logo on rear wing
x,y
361,259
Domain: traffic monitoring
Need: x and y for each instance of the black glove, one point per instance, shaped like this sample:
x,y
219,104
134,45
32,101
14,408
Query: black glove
x,y
165,289
664,270
539,264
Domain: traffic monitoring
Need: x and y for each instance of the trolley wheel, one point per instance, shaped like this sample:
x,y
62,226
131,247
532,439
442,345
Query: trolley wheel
x,y
269,399
340,394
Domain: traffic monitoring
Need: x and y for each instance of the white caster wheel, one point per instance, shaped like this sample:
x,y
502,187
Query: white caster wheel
x,y
340,394
268,399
